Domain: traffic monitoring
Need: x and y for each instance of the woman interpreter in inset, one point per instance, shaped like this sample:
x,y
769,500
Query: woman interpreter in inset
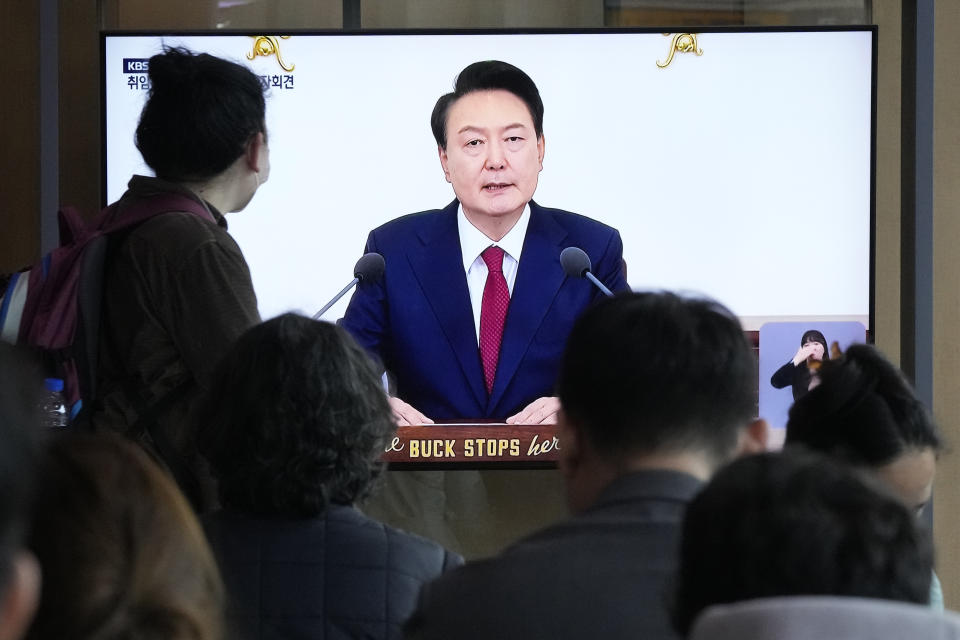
x,y
799,372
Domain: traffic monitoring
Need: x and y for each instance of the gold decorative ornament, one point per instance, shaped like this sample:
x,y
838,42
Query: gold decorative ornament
x,y
681,43
267,46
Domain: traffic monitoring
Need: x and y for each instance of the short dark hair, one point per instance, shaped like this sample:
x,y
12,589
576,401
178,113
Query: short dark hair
x,y
19,448
296,418
122,553
863,411
651,372
201,113
488,75
797,523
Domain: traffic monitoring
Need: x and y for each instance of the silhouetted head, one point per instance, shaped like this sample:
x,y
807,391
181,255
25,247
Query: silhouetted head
x,y
200,117
797,523
659,373
865,413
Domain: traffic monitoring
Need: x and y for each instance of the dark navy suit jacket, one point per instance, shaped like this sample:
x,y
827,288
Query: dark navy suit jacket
x,y
334,576
419,322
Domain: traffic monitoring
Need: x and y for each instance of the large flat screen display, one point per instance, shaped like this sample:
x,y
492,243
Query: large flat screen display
x,y
742,169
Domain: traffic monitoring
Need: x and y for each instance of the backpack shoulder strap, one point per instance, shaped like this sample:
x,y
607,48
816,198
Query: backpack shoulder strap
x,y
114,219
71,225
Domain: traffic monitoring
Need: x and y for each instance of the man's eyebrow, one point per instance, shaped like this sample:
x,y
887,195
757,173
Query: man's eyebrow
x,y
470,127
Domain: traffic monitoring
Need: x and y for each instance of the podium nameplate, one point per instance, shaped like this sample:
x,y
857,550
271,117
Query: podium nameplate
x,y
473,445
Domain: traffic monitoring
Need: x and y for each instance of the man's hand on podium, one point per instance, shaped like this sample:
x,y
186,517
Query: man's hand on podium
x,y
405,414
540,411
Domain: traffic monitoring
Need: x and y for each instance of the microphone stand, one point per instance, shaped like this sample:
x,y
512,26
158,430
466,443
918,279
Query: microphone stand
x,y
343,292
592,278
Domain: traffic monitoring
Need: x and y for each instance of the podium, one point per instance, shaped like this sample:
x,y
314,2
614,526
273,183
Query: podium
x,y
473,486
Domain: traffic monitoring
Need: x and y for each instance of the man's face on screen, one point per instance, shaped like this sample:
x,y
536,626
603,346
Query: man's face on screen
x,y
493,157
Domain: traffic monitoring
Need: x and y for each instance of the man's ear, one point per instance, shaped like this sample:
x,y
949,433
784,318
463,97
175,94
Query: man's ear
x,y
541,149
570,445
754,438
252,152
443,162
19,596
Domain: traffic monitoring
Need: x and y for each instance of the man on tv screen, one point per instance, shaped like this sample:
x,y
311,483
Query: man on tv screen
x,y
474,308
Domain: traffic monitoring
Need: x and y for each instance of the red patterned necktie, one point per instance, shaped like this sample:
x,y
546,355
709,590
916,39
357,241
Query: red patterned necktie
x,y
493,313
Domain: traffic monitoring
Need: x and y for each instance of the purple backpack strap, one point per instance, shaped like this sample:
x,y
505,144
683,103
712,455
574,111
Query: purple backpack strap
x,y
143,209
72,225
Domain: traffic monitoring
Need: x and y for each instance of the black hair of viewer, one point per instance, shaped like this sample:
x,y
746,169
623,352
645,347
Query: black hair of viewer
x,y
797,523
297,418
863,412
200,114
658,372
488,75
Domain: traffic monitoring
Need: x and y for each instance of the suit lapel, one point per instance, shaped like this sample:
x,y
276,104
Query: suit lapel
x,y
438,266
539,277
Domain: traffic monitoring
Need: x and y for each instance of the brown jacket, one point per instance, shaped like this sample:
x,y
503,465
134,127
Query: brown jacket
x,y
177,294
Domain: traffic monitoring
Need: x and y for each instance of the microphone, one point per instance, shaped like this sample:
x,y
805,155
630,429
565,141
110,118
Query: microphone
x,y
369,268
576,263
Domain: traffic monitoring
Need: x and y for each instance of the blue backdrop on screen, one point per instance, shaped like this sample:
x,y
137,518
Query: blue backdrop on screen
x,y
779,342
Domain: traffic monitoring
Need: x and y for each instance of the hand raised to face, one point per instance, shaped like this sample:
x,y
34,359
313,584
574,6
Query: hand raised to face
x,y
809,351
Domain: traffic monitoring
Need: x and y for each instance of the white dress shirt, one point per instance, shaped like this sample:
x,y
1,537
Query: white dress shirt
x,y
473,243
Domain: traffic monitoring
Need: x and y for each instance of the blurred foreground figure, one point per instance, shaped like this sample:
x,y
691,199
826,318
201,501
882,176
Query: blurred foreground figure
x,y
122,554
797,523
19,422
819,617
864,413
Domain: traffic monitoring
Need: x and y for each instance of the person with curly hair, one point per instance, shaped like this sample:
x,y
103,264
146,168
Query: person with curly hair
x,y
294,428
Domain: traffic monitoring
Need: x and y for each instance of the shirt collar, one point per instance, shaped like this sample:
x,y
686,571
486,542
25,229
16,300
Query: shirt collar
x,y
666,484
146,186
473,241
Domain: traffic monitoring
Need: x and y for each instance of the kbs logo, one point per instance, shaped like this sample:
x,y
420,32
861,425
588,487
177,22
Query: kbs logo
x,y
136,70
136,65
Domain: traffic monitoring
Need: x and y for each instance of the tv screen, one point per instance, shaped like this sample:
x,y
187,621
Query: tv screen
x,y
743,169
